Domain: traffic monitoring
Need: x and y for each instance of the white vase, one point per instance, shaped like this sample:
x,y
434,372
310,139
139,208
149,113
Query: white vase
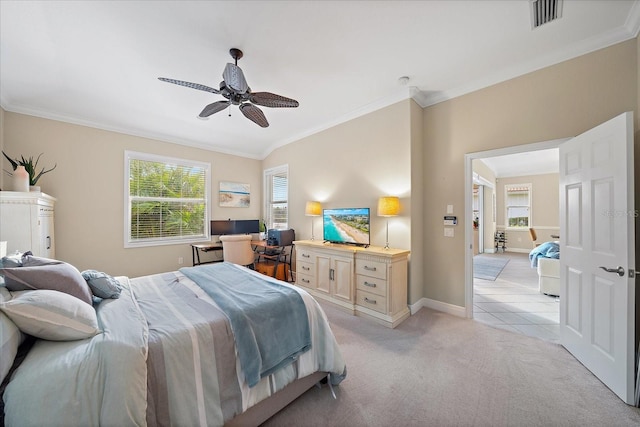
x,y
21,179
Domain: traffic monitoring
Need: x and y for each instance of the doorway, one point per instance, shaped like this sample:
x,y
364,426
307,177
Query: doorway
x,y
511,299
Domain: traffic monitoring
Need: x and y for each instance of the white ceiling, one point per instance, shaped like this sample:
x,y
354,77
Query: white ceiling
x,y
523,164
96,63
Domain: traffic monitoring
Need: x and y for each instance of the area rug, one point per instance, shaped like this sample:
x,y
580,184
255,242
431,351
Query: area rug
x,y
488,268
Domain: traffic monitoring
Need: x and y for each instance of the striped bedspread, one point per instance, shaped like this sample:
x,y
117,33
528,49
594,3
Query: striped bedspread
x,y
167,356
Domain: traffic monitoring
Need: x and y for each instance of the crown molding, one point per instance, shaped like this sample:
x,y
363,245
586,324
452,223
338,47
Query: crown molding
x,y
131,132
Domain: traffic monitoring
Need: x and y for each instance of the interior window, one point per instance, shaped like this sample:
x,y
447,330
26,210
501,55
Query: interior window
x,y
276,190
518,205
166,200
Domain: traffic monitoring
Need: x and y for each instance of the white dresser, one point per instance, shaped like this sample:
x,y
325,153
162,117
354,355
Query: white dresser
x,y
26,222
369,282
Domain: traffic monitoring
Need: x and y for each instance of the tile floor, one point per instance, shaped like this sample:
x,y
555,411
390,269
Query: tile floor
x,y
512,301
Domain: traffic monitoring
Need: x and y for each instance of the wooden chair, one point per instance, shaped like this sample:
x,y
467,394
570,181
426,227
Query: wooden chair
x,y
534,237
236,248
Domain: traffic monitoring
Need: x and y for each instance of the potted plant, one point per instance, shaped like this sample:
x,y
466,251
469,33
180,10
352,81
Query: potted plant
x,y
263,230
30,166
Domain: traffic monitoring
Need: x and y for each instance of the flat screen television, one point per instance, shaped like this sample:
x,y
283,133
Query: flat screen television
x,y
346,225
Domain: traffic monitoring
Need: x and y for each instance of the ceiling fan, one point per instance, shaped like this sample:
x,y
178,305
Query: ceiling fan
x,y
234,87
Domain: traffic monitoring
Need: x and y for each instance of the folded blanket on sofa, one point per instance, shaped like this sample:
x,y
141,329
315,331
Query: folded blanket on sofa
x,y
545,250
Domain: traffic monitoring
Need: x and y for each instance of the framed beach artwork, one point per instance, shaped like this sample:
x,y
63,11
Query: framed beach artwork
x,y
234,195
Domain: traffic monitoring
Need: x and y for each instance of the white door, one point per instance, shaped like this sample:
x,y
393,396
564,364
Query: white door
x,y
597,307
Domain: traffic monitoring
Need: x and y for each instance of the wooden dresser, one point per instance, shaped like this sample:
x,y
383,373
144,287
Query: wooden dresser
x,y
369,282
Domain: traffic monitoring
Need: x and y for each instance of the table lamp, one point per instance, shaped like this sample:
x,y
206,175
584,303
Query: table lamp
x,y
313,209
388,206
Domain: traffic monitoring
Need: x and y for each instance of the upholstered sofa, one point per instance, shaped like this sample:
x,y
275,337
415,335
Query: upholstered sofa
x,y
549,276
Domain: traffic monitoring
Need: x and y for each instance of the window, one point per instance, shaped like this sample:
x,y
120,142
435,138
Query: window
x,y
166,200
276,190
518,205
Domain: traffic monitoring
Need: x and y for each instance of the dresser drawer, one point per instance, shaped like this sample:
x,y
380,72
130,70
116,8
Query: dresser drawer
x,y
371,268
371,301
371,284
305,255
304,267
306,280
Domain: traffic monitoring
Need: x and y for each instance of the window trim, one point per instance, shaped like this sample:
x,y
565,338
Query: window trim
x,y
529,187
268,173
136,155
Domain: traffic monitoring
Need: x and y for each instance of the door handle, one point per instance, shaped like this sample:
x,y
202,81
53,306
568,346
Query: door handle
x,y
618,270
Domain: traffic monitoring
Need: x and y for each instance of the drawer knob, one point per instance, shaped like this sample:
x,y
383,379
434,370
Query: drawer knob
x,y
306,268
305,281
306,256
366,267
370,301
371,285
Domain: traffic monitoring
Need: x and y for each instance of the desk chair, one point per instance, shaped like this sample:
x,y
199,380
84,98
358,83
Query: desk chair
x,y
236,248
282,253
534,237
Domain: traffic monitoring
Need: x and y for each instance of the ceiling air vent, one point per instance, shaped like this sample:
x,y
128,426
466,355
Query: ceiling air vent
x,y
543,11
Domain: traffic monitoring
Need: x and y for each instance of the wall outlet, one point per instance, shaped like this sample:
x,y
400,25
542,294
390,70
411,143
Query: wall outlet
x,y
448,232
180,260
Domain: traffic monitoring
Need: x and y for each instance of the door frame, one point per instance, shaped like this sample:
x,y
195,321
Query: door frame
x,y
468,205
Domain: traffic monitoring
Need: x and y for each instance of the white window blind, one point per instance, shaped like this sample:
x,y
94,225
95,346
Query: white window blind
x,y
166,200
518,205
276,183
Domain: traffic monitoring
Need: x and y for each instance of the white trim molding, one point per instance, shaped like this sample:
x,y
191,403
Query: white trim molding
x,y
444,307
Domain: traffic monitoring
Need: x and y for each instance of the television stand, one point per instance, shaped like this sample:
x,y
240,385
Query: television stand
x,y
369,282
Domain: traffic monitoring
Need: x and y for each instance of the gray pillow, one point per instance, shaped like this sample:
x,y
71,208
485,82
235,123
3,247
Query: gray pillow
x,y
28,260
61,277
11,261
102,285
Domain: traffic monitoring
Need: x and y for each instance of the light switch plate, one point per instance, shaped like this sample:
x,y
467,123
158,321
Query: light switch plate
x,y
449,209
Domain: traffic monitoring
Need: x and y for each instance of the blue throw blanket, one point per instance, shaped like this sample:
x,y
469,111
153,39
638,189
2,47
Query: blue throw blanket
x,y
269,320
545,250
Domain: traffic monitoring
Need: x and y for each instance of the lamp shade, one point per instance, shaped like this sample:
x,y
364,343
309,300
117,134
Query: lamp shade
x,y
313,209
388,206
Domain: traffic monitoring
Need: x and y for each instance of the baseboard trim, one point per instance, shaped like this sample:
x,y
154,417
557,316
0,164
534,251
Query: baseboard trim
x,y
519,250
455,310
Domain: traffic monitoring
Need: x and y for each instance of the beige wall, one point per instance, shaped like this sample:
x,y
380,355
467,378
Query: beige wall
x,y
352,165
88,183
545,210
560,101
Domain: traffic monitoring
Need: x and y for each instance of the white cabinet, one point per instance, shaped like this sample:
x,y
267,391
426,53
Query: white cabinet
x,y
334,275
26,222
369,282
327,274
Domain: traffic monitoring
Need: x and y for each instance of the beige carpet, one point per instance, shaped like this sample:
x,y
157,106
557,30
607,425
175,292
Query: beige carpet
x,y
440,370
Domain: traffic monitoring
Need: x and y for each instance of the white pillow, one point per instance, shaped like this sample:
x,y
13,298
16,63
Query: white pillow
x,y
51,315
10,338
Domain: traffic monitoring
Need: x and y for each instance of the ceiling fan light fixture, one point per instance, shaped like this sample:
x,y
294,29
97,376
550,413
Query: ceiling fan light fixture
x,y
235,89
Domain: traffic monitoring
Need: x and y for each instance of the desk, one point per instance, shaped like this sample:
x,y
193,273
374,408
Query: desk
x,y
196,248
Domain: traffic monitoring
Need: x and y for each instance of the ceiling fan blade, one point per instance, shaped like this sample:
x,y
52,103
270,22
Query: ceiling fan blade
x,y
189,84
214,107
268,99
254,114
234,78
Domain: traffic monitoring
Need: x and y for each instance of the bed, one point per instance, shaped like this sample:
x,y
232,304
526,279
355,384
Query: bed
x,y
168,351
